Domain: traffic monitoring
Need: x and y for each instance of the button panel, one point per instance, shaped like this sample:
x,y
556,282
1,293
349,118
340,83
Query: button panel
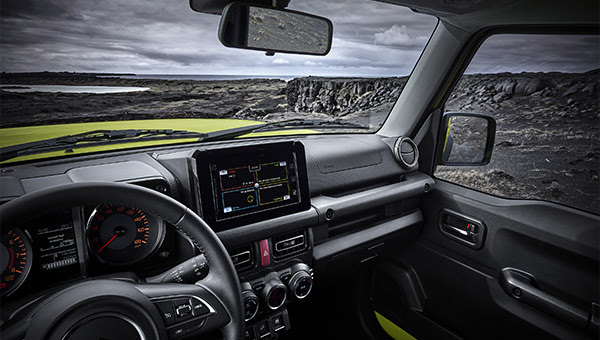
x,y
268,327
263,329
183,314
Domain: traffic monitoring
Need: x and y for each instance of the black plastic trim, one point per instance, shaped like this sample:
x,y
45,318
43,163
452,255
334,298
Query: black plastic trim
x,y
327,250
414,185
265,229
522,286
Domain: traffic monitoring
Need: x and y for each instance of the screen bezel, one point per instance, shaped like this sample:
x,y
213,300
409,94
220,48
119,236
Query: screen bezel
x,y
204,159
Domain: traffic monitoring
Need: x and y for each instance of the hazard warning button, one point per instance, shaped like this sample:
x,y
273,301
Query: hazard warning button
x,y
265,254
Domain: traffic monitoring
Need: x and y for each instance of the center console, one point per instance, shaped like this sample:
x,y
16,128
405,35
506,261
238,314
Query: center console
x,y
251,184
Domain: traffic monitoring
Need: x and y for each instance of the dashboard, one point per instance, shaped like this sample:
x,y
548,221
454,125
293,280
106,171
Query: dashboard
x,y
286,209
84,242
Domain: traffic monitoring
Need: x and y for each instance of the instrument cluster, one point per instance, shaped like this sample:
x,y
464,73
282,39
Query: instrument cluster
x,y
83,242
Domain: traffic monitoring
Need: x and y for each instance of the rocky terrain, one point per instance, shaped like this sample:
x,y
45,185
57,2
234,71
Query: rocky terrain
x,y
251,98
547,142
548,124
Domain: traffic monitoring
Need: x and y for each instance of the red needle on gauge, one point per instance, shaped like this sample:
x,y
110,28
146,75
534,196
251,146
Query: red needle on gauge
x,y
109,241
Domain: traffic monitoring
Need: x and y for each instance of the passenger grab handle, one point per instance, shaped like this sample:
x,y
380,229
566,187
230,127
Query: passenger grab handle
x,y
522,286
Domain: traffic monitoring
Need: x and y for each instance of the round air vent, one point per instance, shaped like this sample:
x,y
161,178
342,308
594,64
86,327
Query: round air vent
x,y
406,152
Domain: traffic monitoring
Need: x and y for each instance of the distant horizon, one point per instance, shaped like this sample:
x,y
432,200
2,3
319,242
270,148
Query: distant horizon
x,y
270,75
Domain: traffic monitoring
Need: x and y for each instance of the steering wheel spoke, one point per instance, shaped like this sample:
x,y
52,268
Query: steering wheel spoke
x,y
105,307
186,309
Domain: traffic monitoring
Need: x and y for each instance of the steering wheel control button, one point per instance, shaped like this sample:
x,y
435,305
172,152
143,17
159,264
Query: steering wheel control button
x,y
265,254
187,312
183,309
199,308
177,331
166,310
263,329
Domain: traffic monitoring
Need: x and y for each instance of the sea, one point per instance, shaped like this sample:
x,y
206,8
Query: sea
x,y
71,88
121,89
205,76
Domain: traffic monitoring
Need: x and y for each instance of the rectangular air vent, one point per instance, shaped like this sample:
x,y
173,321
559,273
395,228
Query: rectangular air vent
x,y
243,257
289,244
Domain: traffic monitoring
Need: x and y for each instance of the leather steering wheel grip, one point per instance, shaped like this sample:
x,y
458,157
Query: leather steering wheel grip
x,y
222,278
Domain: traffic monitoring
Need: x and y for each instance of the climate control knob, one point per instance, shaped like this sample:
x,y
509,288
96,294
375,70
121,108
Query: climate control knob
x,y
300,283
274,293
251,301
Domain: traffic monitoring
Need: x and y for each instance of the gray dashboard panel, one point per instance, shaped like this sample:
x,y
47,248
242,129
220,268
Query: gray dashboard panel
x,y
114,172
11,187
113,168
338,163
38,183
343,154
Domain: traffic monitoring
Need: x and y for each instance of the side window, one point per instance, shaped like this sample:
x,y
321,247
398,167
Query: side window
x,y
544,93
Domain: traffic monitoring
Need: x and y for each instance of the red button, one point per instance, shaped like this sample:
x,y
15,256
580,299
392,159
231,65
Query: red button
x,y
265,257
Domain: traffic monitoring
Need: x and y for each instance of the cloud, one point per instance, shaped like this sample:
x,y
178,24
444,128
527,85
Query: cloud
x,y
396,36
371,38
159,37
280,61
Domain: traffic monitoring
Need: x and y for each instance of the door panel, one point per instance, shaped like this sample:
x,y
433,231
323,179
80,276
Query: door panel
x,y
558,246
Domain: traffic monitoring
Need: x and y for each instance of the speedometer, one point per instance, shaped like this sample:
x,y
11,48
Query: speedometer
x,y
15,260
120,235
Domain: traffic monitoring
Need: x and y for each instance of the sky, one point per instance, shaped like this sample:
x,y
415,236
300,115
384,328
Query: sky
x,y
167,37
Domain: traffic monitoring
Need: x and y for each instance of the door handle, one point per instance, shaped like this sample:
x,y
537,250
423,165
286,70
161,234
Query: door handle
x,y
522,286
464,229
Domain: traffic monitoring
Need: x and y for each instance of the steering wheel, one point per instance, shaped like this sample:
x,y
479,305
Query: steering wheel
x,y
130,309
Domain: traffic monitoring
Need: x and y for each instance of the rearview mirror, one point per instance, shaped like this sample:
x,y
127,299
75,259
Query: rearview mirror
x,y
468,139
274,30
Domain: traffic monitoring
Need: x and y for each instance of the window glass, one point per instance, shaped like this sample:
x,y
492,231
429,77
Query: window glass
x,y
543,92
171,61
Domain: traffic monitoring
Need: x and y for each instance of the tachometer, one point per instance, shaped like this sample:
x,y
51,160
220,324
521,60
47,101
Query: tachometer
x,y
15,260
120,235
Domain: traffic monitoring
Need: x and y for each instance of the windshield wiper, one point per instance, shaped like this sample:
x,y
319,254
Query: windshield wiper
x,y
94,138
109,137
290,124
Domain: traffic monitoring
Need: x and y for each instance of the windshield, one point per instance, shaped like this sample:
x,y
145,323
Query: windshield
x,y
71,62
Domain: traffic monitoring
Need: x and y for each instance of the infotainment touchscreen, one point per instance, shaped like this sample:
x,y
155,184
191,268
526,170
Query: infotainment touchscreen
x,y
252,183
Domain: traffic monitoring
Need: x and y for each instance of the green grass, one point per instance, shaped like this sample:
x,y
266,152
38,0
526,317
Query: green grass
x,y
20,135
